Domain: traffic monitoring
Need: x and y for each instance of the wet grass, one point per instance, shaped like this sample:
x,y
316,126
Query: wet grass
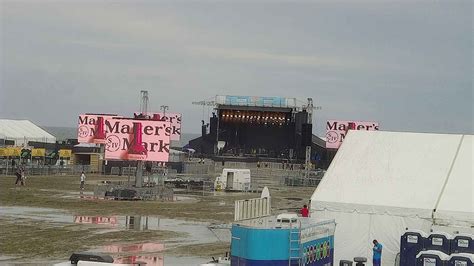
x,y
216,249
49,192
30,239
38,239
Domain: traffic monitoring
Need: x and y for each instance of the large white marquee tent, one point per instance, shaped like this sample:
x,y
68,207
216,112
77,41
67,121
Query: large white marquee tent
x,y
381,183
22,131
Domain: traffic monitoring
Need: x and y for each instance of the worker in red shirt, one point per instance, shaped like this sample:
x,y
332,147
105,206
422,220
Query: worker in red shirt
x,y
304,211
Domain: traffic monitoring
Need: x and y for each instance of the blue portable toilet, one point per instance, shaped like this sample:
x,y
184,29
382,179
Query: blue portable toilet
x,y
461,259
462,243
431,258
439,241
411,243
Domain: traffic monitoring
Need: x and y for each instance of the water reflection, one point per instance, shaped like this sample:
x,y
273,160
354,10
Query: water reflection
x,y
141,260
106,220
196,232
140,223
149,259
134,248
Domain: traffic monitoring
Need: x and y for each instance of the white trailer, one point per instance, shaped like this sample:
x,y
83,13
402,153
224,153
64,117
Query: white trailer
x,y
233,180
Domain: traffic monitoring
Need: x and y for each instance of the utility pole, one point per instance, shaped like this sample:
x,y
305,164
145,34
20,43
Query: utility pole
x,y
143,110
309,109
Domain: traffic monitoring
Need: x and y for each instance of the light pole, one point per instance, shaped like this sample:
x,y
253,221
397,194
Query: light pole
x,y
164,108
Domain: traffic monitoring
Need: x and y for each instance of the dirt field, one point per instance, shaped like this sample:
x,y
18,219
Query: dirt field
x,y
25,239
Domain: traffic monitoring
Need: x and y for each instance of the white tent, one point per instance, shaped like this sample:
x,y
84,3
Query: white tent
x,y
381,183
22,131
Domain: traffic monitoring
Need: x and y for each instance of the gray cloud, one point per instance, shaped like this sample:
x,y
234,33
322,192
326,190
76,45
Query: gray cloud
x,y
406,64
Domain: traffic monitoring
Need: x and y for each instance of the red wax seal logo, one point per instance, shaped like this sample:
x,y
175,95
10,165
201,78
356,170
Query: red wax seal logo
x,y
83,132
332,137
112,144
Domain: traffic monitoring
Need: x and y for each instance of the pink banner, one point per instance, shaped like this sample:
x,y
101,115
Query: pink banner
x,y
175,122
137,140
336,130
91,128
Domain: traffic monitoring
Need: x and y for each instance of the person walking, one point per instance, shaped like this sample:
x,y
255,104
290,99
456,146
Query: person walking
x,y
377,257
23,177
18,176
304,211
83,180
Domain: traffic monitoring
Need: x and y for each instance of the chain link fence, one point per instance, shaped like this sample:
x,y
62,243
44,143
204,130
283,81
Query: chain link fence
x,y
32,170
123,191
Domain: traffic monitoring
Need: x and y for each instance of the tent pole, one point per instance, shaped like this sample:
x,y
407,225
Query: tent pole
x,y
446,180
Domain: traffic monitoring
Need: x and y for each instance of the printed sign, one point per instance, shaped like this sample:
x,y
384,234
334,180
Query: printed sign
x,y
463,243
38,152
3,152
175,122
65,153
256,101
137,140
460,263
10,152
412,239
336,130
429,262
318,252
91,128
436,241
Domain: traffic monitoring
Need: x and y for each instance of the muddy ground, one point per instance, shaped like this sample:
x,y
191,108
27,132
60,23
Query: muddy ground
x,y
37,236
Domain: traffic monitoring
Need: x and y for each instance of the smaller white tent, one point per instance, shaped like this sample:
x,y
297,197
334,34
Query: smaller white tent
x,y
22,131
380,183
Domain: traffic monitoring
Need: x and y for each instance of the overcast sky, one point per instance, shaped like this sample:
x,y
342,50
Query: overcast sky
x,y
406,64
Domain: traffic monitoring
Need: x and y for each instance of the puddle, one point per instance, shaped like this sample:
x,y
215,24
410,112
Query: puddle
x,y
150,260
198,232
43,214
185,199
184,261
6,258
133,248
151,253
147,260
90,195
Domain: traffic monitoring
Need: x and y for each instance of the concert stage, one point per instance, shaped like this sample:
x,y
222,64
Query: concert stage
x,y
244,128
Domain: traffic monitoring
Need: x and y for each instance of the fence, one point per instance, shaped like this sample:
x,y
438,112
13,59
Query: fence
x,y
144,193
252,208
48,170
300,182
198,168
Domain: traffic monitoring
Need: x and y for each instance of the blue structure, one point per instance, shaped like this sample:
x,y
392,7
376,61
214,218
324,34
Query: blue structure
x,y
274,241
411,243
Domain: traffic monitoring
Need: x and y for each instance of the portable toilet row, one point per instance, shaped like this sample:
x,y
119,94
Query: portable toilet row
x,y
414,241
438,258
